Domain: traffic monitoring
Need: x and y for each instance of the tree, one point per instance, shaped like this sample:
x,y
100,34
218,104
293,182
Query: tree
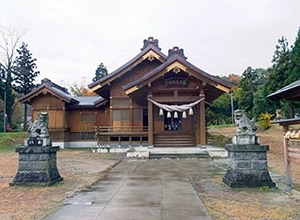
x,y
220,111
24,75
294,64
101,71
279,73
10,38
252,79
80,89
261,104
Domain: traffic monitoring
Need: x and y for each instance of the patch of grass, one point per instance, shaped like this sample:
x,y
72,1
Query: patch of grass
x,y
218,140
10,140
264,189
222,126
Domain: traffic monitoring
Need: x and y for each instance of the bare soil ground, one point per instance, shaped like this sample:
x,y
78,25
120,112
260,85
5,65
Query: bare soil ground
x,y
225,203
79,168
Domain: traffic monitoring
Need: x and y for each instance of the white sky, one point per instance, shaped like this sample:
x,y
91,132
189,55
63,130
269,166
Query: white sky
x,y
70,38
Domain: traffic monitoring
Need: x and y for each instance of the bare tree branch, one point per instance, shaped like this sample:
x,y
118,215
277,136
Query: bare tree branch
x,y
8,44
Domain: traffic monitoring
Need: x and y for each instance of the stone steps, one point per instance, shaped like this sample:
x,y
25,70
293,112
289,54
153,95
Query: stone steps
x,y
178,155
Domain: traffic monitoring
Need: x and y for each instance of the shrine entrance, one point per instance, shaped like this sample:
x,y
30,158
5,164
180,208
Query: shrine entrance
x,y
173,122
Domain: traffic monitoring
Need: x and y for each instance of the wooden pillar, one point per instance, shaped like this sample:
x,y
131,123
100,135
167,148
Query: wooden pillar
x,y
150,124
202,124
197,124
110,112
287,162
64,125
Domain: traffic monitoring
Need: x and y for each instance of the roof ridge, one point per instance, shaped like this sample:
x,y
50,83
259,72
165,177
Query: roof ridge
x,y
171,59
52,84
150,41
128,63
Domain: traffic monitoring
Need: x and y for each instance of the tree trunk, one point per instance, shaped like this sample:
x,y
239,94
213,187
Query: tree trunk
x,y
292,113
25,117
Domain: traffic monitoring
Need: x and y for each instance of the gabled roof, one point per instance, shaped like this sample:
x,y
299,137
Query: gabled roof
x,y
51,87
177,60
287,92
150,49
63,94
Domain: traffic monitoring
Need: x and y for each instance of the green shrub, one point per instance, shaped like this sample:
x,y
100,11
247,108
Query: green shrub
x,y
218,140
265,120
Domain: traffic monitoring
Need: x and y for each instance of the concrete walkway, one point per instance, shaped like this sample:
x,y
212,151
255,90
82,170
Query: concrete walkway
x,y
142,190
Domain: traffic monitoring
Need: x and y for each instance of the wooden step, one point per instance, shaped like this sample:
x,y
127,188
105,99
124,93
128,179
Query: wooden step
x,y
174,145
174,140
178,155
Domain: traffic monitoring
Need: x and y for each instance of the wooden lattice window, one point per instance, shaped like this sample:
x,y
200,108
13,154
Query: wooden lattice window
x,y
121,117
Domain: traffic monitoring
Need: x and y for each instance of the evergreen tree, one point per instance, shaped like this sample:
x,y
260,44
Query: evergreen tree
x,y
101,71
24,74
278,73
252,79
294,65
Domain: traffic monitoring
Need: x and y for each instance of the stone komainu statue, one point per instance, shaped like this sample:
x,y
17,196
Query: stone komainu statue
x,y
243,123
39,128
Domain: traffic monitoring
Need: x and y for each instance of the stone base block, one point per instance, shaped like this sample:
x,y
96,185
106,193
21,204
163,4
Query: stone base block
x,y
248,166
37,166
238,178
245,139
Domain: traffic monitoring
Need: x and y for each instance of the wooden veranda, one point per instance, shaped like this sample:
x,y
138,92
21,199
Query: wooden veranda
x,y
128,134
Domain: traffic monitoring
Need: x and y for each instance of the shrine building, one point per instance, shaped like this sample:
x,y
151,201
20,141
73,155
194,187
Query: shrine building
x,y
153,100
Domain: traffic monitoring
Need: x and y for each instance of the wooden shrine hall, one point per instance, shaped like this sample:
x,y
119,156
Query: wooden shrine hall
x,y
152,100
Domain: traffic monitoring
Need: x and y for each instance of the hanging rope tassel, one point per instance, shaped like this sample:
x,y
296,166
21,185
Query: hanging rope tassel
x,y
184,114
161,113
169,115
176,115
191,112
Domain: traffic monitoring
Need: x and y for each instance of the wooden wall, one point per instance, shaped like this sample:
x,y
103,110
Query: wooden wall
x,y
137,72
123,112
85,119
65,121
51,104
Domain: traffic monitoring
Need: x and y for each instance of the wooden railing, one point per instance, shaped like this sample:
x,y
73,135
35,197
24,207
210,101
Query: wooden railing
x,y
291,146
120,130
107,134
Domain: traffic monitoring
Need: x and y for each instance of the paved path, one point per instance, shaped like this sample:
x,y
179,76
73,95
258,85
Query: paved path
x,y
142,190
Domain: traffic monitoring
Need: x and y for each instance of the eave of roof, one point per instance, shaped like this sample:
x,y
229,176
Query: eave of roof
x,y
284,92
76,101
106,78
88,100
171,60
60,94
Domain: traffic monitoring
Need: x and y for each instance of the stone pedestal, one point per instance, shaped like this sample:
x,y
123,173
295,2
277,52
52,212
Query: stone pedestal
x,y
248,166
37,166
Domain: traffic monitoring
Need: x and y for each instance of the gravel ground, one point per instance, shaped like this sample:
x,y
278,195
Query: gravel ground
x,y
79,168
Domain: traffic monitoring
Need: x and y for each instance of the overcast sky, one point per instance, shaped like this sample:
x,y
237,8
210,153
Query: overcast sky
x,y
70,38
